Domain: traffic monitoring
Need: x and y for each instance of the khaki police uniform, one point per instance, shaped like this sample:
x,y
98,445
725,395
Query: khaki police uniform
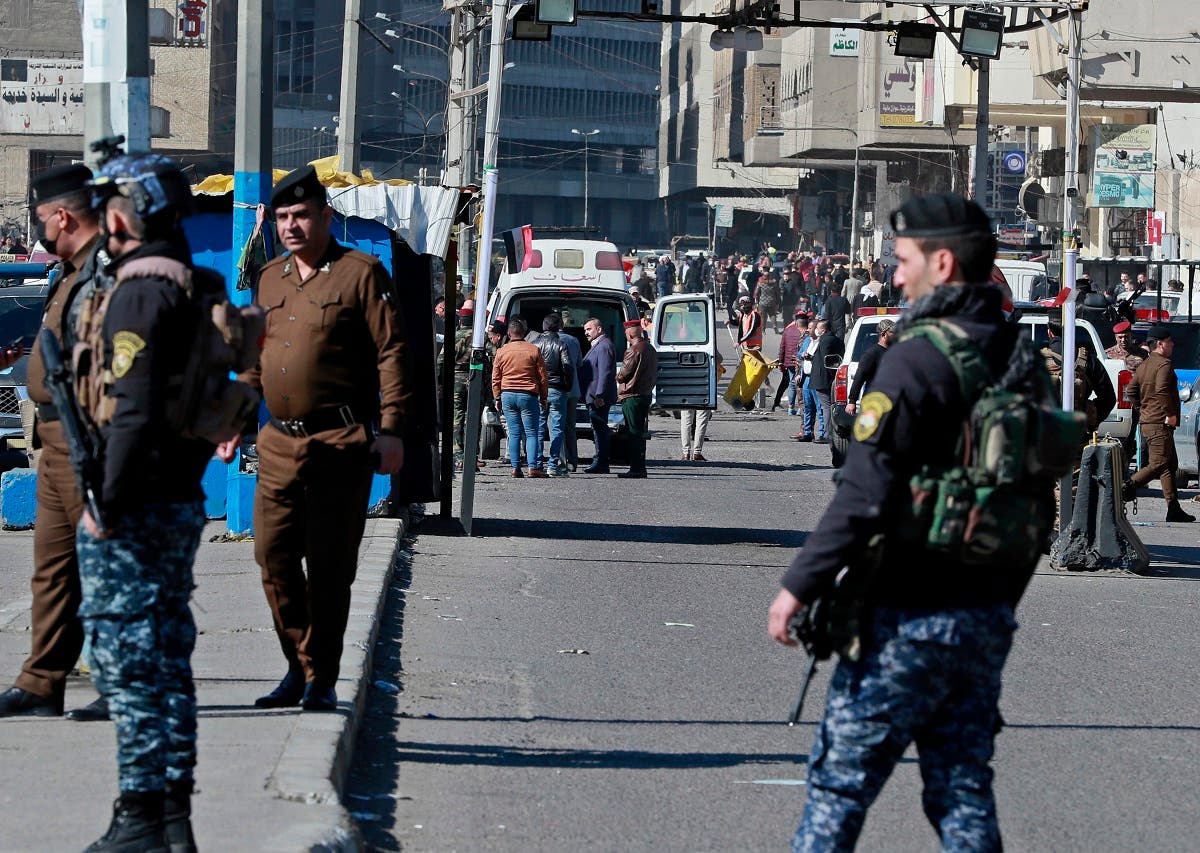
x,y
57,634
1155,392
333,365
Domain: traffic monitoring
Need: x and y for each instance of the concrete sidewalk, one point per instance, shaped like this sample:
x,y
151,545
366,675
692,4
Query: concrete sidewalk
x,y
267,780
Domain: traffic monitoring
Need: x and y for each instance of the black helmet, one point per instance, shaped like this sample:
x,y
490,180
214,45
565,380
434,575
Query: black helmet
x,y
154,183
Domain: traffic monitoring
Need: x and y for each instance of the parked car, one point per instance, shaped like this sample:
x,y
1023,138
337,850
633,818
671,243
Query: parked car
x,y
864,334
22,300
1187,435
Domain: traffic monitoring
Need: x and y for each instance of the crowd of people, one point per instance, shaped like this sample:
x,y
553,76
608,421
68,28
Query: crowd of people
x,y
536,381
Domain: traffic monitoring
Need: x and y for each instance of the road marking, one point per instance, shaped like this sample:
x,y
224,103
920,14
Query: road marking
x,y
769,782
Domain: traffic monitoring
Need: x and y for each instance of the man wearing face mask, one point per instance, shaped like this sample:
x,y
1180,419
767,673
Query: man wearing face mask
x,y
66,226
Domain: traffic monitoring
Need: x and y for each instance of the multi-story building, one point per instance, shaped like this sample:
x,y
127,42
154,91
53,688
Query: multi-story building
x,y
599,78
1135,73
42,92
701,146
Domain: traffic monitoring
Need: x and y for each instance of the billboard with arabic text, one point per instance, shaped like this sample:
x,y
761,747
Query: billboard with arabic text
x,y
898,92
41,96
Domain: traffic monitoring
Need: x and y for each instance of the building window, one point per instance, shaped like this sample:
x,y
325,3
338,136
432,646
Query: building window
x,y
295,56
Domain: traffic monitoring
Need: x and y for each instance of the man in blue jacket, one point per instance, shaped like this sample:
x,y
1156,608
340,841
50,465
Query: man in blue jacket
x,y
598,375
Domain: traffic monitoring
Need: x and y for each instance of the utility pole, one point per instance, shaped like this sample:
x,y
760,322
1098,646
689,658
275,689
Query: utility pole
x,y
116,73
585,134
349,149
454,107
982,120
253,132
491,178
1070,231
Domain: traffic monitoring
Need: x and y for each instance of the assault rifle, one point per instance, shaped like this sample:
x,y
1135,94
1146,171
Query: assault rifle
x,y
82,441
833,622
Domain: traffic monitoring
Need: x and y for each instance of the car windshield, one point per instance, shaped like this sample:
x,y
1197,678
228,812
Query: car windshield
x,y
575,311
868,336
20,317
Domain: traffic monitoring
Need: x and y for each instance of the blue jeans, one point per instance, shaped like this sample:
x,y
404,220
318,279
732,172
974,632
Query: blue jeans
x,y
813,414
558,413
523,413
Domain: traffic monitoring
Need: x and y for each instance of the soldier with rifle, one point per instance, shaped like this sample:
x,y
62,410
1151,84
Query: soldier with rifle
x,y
917,601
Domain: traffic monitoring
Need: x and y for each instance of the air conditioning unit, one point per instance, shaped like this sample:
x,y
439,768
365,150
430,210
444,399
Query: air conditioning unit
x,y
162,26
160,122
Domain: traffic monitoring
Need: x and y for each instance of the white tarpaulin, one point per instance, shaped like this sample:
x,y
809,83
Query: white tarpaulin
x,y
421,216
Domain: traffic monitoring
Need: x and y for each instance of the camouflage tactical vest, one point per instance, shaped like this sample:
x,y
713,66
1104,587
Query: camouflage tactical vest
x,y
994,506
203,401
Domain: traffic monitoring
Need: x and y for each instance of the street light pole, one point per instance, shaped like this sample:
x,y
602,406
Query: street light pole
x,y
854,206
585,134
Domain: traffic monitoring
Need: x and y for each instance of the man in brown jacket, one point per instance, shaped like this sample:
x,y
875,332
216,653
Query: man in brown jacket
x,y
1155,394
333,366
69,228
519,382
635,386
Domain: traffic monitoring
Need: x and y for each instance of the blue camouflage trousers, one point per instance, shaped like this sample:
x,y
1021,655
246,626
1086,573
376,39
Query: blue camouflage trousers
x,y
139,636
926,676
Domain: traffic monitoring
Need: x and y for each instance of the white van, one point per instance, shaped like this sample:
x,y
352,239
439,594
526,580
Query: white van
x,y
568,263
1021,276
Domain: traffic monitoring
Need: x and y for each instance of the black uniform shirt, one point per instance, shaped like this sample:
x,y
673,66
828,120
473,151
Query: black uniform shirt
x,y
148,333
913,416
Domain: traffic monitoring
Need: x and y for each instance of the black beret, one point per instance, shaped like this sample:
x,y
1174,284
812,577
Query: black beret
x,y
297,186
58,182
499,327
1158,333
939,215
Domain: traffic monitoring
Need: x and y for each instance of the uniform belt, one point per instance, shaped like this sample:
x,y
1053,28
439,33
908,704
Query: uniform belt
x,y
342,416
47,413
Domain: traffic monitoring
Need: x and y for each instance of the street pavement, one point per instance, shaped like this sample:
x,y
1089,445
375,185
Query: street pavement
x,y
591,671
267,780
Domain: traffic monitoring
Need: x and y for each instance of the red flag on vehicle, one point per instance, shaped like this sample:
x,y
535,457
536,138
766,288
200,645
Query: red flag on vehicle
x,y
518,245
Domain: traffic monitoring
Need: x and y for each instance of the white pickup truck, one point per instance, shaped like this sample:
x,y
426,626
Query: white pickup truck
x,y
863,335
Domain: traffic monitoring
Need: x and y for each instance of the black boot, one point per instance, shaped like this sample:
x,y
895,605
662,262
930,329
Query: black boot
x,y
95,712
177,818
1175,513
288,694
137,825
15,702
1128,491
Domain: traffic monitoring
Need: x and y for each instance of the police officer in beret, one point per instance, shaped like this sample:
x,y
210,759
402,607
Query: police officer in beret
x,y
67,226
935,636
333,375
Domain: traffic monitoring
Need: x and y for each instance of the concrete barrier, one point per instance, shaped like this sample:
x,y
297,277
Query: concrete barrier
x,y
1099,537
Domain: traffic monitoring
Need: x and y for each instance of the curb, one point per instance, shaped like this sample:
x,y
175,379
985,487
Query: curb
x,y
316,757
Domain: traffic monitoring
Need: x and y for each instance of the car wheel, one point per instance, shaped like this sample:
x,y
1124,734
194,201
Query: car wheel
x,y
490,443
837,449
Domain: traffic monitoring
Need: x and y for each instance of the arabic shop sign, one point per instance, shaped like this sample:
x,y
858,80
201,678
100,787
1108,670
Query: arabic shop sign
x,y
192,26
1123,167
844,42
41,96
898,92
